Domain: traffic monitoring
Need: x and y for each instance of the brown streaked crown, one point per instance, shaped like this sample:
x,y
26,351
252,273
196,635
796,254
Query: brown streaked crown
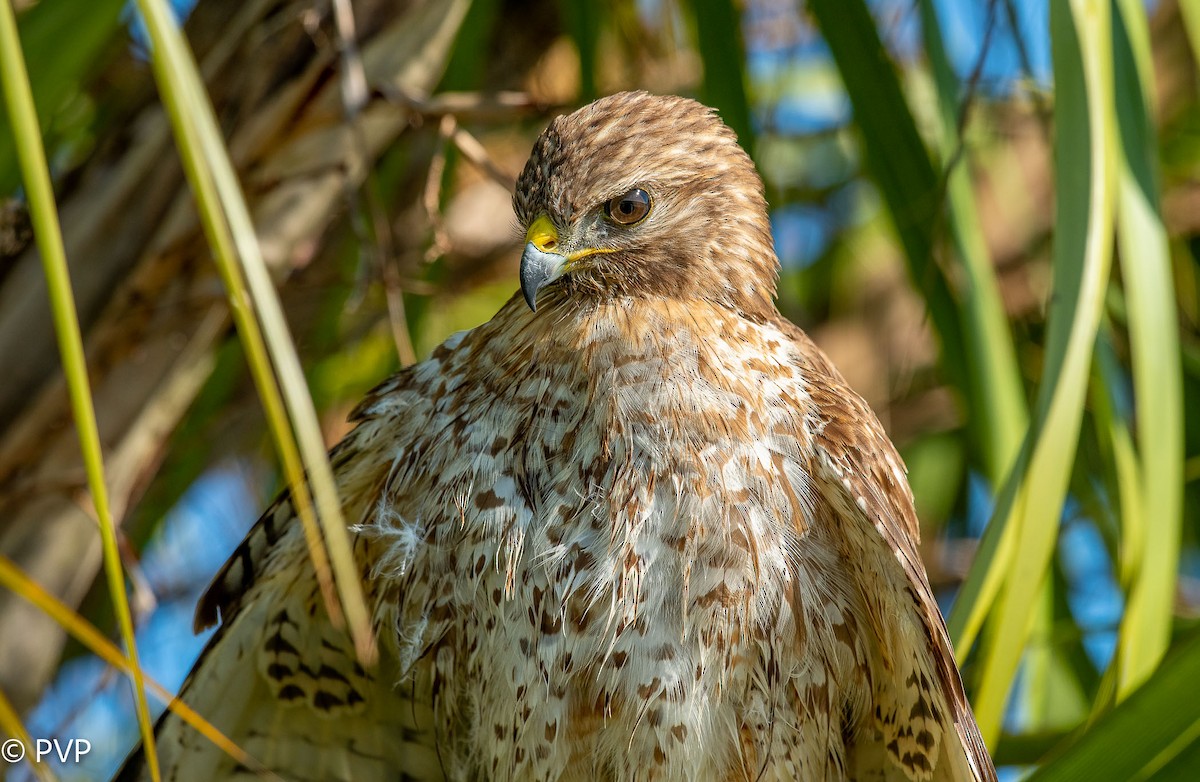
x,y
707,234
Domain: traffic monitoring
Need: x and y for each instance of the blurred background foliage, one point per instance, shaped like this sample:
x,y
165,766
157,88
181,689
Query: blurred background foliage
x,y
987,213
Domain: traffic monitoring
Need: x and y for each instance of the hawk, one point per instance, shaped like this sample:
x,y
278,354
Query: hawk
x,y
634,527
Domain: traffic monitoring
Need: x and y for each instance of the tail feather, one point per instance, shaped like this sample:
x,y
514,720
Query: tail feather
x,y
242,569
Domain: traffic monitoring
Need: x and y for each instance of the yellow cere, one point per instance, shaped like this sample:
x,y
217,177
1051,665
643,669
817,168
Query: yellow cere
x,y
543,235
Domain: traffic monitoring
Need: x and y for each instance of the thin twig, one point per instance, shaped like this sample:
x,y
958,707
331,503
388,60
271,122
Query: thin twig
x,y
354,99
353,74
1041,106
389,272
431,198
960,143
474,151
972,88
503,106
461,106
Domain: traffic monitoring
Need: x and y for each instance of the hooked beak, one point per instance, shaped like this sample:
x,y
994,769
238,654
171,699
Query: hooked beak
x,y
540,264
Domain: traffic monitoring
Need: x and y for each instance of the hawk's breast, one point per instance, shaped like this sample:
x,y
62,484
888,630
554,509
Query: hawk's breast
x,y
610,581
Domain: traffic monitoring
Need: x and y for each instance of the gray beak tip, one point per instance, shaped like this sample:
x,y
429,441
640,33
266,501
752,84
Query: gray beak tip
x,y
538,269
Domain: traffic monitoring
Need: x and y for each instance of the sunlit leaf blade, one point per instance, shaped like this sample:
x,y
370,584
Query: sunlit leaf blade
x,y
184,103
228,225
989,569
1157,375
1156,729
995,381
1190,11
1179,760
977,339
897,160
43,211
1114,430
1125,492
1084,183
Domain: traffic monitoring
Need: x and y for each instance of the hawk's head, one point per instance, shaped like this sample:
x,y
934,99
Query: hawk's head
x,y
645,195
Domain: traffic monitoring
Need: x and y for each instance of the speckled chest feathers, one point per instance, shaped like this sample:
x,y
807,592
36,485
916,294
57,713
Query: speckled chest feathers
x,y
614,569
634,527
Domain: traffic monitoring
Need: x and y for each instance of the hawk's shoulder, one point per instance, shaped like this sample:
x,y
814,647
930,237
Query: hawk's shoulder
x,y
861,484
386,417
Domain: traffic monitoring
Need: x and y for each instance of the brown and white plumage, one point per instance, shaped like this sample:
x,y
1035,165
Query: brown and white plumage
x,y
645,532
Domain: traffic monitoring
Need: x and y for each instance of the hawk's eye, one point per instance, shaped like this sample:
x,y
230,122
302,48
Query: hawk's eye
x,y
629,208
